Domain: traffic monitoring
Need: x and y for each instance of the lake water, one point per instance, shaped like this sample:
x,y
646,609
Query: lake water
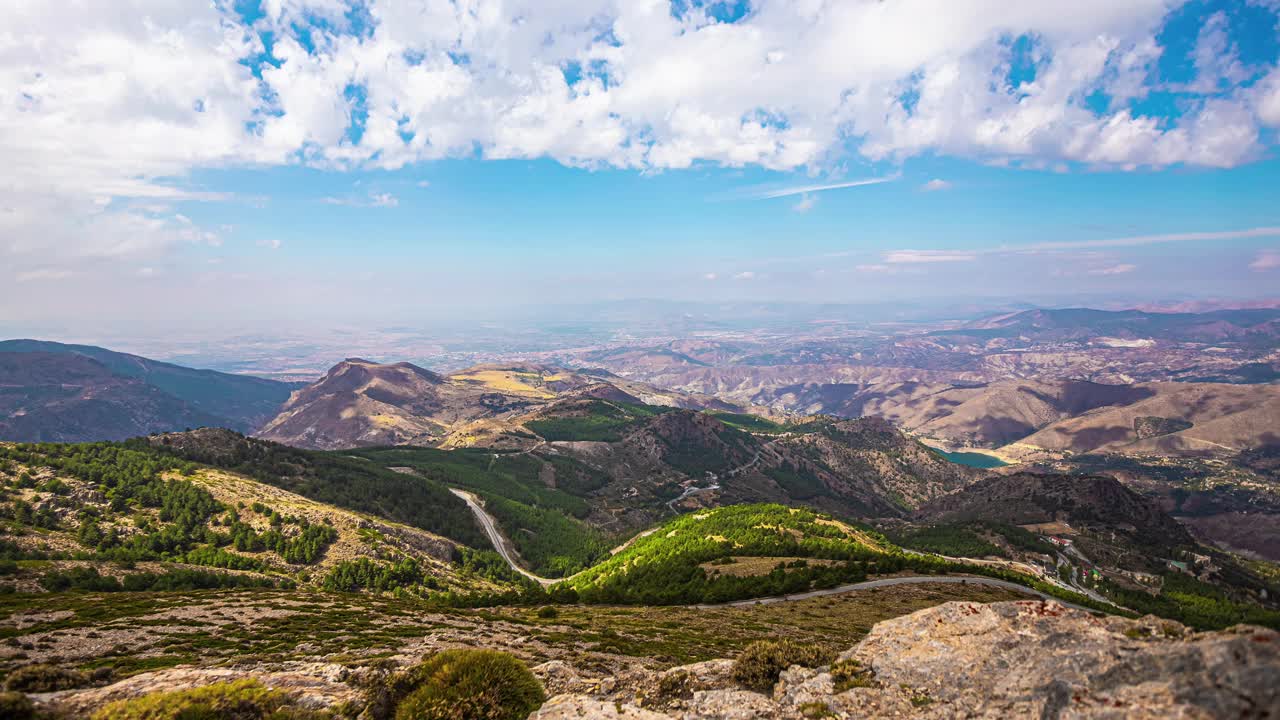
x,y
972,459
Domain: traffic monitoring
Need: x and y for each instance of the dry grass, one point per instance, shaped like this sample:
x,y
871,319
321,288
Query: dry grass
x,y
359,535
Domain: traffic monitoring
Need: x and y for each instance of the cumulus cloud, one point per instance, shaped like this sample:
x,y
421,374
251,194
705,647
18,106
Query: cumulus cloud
x,y
1266,260
935,185
104,105
745,275
806,203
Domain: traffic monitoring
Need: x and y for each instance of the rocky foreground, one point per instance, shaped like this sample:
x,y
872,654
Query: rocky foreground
x,y
1002,660
1021,659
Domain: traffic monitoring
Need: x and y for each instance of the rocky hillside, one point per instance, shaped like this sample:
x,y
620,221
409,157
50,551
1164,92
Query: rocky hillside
x,y
1001,660
620,467
1095,503
871,459
77,393
1104,525
361,403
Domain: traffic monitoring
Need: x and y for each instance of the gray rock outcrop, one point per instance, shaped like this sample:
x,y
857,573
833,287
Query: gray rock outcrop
x,y
1025,659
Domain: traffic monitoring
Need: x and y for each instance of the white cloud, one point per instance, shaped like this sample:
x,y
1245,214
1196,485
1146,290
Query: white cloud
x,y
935,185
806,203
811,189
1266,98
937,256
1117,269
908,257
1266,260
1140,240
272,244
710,276
99,105
873,268
745,275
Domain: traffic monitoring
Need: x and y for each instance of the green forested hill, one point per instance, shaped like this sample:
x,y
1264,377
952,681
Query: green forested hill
x,y
334,478
735,552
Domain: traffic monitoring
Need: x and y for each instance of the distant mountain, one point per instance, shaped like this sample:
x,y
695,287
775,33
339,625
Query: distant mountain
x,y
360,403
55,392
1173,419
1250,325
1025,417
820,368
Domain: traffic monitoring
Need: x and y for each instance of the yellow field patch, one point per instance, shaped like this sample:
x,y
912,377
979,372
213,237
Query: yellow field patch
x,y
509,381
1050,528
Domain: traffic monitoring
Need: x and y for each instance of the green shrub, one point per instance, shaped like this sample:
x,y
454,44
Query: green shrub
x,y
16,706
43,678
762,661
547,612
469,685
242,700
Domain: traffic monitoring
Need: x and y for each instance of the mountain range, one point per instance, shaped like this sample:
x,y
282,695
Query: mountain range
x,y
1027,417
70,393
617,453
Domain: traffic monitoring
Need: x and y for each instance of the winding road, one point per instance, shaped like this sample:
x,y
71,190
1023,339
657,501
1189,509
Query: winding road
x,y
499,542
508,553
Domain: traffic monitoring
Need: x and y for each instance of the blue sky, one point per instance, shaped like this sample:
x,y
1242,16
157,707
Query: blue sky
x,y
294,162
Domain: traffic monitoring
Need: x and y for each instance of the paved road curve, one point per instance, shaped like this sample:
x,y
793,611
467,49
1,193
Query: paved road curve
x,y
886,582
495,537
